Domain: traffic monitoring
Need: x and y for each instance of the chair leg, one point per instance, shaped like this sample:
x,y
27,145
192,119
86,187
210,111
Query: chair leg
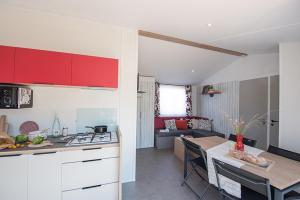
x,y
204,192
193,190
222,196
186,178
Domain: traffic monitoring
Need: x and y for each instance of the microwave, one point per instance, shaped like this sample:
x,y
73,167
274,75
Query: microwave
x,y
15,97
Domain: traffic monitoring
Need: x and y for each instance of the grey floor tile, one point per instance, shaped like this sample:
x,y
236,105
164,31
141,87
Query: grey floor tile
x,y
158,177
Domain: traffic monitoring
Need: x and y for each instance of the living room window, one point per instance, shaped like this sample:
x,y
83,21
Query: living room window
x,y
172,100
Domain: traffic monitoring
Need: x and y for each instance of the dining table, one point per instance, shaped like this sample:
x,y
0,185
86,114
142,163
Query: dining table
x,y
283,174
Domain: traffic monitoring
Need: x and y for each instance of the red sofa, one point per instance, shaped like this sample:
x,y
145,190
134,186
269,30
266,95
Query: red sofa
x,y
159,122
166,139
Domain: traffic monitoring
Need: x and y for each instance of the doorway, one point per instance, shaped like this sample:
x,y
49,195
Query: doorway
x,y
261,97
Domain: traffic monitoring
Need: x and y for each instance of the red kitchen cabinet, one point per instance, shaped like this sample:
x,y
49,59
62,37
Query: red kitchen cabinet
x,y
7,56
94,71
42,67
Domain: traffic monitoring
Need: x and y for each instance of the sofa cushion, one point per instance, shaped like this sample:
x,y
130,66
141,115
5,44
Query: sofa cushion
x,y
204,124
159,122
170,124
206,133
195,123
164,133
181,124
178,133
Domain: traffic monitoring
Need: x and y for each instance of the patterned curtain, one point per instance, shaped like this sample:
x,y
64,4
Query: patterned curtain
x,y
188,92
156,100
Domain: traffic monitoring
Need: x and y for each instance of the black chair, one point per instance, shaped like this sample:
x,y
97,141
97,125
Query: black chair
x,y
196,157
246,141
284,153
253,186
290,155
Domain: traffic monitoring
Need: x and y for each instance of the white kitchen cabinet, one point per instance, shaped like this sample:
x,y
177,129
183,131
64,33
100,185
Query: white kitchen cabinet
x,y
89,153
44,176
89,173
99,192
13,184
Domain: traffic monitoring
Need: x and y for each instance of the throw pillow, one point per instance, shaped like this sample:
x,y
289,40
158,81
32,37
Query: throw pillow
x,y
195,123
181,124
170,124
205,124
189,124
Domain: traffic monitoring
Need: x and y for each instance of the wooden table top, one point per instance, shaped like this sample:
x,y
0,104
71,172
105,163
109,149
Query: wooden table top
x,y
282,174
208,142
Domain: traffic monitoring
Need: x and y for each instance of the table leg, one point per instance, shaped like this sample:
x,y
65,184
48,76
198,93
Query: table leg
x,y
185,164
278,195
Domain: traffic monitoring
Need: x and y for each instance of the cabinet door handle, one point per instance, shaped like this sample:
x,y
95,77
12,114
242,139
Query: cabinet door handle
x,y
43,153
91,149
12,155
91,160
84,188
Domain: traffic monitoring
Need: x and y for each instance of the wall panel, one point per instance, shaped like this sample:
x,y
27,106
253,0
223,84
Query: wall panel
x,y
222,107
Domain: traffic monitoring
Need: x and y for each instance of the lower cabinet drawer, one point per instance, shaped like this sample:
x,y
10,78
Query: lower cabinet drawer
x,y
89,153
103,192
89,173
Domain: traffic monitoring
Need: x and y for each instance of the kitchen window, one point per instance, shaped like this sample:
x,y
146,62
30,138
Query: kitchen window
x,y
172,100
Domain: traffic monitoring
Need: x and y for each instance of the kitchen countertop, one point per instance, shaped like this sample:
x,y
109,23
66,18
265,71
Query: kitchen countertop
x,y
57,146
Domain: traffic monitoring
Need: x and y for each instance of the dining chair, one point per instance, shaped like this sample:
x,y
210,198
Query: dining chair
x,y
284,153
246,141
253,186
196,157
290,155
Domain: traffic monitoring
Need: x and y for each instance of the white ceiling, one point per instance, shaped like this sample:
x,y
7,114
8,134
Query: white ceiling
x,y
249,26
173,63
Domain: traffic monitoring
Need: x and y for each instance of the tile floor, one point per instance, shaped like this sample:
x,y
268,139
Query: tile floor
x,y
159,176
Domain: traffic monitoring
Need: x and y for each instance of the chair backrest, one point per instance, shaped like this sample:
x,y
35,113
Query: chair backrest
x,y
246,141
194,149
284,153
247,179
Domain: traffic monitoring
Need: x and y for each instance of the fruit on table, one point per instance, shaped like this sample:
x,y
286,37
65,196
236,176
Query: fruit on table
x,y
21,138
12,147
38,140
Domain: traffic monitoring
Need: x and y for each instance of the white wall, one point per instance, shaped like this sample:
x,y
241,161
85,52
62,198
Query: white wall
x,y
194,100
244,68
249,67
32,29
289,133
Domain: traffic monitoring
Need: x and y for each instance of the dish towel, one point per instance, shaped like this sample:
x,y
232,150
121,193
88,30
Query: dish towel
x,y
220,152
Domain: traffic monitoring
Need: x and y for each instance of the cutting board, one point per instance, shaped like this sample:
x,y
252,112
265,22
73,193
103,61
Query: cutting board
x,y
3,123
44,144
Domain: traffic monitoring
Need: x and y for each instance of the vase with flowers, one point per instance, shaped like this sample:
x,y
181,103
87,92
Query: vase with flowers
x,y
240,127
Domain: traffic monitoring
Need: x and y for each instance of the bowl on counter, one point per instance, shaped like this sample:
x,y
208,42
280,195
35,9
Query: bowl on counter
x,y
34,134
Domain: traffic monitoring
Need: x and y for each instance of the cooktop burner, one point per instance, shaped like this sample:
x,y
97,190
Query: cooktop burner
x,y
87,139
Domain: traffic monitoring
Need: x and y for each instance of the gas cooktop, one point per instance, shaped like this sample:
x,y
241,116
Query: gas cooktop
x,y
91,138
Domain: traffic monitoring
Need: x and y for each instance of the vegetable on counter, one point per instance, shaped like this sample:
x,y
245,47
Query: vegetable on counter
x,y
16,146
21,138
38,140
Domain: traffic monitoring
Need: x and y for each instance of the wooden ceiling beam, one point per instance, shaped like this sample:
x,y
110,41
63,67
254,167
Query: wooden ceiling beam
x,y
189,43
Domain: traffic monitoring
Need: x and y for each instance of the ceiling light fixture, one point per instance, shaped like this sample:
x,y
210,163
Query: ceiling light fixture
x,y
209,25
193,71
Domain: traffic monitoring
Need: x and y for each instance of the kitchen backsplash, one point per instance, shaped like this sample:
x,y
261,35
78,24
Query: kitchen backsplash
x,y
96,117
75,107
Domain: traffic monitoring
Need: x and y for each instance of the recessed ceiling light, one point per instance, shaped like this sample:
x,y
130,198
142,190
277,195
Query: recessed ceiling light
x,y
209,25
193,71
